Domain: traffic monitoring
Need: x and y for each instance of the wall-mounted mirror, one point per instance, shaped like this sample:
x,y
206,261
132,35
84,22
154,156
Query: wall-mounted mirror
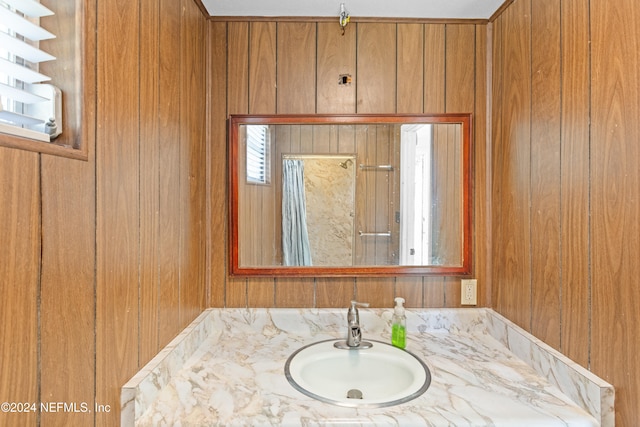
x,y
350,195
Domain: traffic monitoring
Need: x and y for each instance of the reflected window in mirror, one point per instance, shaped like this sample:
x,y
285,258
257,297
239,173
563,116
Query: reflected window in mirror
x,y
257,154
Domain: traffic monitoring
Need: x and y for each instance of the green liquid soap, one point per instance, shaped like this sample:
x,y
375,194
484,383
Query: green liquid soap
x,y
399,335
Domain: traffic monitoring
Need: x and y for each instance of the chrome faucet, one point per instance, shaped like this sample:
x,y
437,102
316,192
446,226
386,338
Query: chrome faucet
x,y
354,332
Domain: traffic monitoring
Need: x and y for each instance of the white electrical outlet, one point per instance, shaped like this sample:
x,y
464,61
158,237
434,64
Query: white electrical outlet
x,y
469,292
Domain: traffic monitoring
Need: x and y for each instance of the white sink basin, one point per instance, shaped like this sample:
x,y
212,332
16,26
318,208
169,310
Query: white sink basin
x,y
379,376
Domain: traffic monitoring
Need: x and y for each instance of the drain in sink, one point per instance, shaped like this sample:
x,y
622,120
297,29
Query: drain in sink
x,y
354,393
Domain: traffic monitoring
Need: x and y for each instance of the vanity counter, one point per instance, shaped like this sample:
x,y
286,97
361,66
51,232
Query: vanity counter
x,y
227,368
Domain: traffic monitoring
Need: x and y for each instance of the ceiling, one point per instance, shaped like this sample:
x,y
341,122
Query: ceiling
x,y
436,9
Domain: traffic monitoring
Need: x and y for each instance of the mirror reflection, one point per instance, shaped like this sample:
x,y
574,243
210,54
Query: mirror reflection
x,y
370,193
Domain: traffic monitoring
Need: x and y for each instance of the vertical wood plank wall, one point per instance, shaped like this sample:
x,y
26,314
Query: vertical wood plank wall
x,y
396,68
566,182
104,260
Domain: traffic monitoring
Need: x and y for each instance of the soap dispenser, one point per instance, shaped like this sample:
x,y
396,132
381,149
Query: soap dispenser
x,y
399,325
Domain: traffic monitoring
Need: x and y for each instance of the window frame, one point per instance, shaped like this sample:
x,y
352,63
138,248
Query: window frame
x,y
79,92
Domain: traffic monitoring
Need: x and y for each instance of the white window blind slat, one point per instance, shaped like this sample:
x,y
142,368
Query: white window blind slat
x,y
24,50
29,7
19,95
20,119
23,26
21,73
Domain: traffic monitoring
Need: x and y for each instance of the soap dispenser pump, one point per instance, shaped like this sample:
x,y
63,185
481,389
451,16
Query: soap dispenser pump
x,y
399,325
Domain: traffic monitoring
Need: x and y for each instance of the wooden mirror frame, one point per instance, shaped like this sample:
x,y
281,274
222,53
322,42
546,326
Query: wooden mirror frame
x,y
235,269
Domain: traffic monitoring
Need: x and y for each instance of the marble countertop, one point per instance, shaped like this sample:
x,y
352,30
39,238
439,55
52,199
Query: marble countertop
x,y
227,368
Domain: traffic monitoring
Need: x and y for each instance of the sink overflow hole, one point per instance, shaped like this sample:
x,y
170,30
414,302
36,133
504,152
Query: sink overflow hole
x,y
354,393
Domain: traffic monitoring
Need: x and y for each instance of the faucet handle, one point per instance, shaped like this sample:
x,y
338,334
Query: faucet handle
x,y
353,310
355,304
353,317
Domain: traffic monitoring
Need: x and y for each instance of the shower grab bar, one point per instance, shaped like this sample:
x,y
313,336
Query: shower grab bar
x,y
376,167
379,234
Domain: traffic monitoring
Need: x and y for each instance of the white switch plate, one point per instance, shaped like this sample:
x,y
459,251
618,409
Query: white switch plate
x,y
469,292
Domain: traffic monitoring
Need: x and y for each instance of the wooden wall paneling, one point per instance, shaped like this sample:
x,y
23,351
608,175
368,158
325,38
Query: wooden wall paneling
x,y
334,139
410,63
377,291
336,55
296,77
236,292
199,165
67,292
347,140
434,68
334,292
20,283
192,168
237,76
118,209
482,170
325,139
460,85
169,165
262,100
67,296
306,140
262,67
261,292
434,292
237,103
217,143
460,65
615,205
574,239
511,158
295,292
452,291
149,179
545,171
496,156
411,289
376,62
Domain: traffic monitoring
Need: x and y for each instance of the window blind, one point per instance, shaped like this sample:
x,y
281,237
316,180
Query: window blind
x,y
28,103
257,154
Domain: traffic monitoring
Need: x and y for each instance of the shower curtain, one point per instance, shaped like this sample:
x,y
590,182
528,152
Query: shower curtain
x,y
295,238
